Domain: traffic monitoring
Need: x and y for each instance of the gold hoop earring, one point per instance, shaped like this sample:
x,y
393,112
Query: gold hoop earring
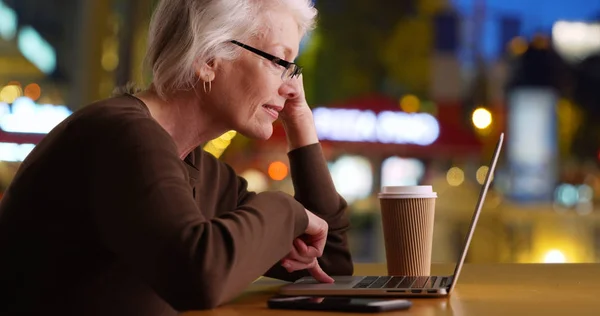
x,y
207,83
207,87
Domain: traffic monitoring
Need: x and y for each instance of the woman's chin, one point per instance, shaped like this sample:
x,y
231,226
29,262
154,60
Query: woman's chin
x,y
266,135
260,134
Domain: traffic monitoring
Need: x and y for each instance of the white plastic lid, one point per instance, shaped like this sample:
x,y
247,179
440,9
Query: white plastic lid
x,y
407,192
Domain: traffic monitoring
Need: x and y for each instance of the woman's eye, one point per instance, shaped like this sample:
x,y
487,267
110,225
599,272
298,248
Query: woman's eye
x,y
274,65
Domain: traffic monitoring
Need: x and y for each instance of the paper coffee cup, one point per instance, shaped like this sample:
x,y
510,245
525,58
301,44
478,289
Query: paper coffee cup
x,y
407,214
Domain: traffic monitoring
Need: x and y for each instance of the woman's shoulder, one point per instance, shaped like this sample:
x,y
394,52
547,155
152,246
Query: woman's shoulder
x,y
117,108
122,117
112,113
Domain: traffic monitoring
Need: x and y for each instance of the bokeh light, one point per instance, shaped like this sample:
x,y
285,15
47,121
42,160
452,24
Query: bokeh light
x,y
278,170
517,46
410,103
567,195
481,173
33,91
110,61
554,256
217,146
229,135
257,181
540,41
10,93
455,176
482,118
428,107
585,193
352,176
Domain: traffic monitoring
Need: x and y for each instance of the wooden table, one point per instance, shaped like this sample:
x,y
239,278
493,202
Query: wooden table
x,y
483,289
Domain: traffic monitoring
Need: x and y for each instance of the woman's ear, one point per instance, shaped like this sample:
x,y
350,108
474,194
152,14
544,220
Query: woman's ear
x,y
206,71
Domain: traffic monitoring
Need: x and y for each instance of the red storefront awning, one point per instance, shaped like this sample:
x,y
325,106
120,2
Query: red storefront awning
x,y
20,138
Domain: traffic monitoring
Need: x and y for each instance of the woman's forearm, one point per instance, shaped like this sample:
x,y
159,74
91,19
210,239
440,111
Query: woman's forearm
x,y
300,131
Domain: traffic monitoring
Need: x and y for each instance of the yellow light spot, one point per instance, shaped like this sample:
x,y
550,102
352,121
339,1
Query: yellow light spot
x,y
229,135
482,118
410,103
278,170
212,149
428,107
110,61
455,176
517,46
554,256
481,174
10,93
540,41
217,146
220,143
33,91
257,181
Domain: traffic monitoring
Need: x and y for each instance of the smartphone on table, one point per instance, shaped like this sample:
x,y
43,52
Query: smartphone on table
x,y
335,303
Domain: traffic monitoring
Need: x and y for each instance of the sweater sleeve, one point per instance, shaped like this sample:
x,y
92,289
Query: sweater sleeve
x,y
145,214
314,188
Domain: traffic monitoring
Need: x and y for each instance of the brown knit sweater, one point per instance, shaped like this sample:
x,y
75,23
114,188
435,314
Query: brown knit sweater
x,y
104,218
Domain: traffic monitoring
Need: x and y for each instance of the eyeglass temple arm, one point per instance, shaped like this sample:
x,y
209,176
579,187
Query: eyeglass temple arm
x,y
268,56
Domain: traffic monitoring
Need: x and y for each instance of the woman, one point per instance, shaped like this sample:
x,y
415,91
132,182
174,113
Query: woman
x,y
119,211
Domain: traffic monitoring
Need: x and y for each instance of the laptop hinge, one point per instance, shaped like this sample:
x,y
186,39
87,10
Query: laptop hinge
x,y
447,283
450,281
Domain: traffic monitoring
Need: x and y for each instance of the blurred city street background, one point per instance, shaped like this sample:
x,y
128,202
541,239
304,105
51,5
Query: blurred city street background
x,y
404,93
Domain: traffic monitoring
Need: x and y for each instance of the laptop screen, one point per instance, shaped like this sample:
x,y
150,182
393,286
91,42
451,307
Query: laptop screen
x,y
478,207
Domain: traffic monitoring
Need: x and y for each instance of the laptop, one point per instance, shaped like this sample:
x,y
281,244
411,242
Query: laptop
x,y
396,286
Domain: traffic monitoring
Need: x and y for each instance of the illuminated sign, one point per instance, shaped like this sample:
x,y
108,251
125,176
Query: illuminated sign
x,y
28,117
8,22
14,152
532,148
352,177
36,49
401,171
575,41
31,44
353,125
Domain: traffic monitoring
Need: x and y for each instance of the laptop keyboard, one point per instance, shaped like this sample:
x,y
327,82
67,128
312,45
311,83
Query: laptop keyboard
x,y
366,282
419,282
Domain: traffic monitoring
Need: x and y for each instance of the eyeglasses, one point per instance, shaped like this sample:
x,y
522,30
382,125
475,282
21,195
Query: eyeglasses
x,y
290,71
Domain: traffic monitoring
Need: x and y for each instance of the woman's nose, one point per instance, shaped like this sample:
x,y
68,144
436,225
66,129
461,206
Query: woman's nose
x,y
289,89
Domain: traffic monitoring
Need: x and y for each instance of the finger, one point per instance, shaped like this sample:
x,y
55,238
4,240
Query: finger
x,y
293,265
308,249
319,274
300,246
320,246
294,255
301,83
318,243
305,250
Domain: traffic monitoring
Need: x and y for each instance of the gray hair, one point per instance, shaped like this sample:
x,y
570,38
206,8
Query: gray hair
x,y
185,32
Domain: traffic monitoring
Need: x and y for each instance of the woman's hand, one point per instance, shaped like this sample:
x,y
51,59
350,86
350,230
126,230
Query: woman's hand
x,y
297,118
308,248
295,108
